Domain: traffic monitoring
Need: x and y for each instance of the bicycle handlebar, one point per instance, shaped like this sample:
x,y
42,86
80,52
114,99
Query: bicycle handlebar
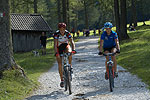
x,y
109,54
68,54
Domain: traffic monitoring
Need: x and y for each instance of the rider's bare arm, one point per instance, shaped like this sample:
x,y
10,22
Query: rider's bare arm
x,y
72,43
55,44
117,44
101,45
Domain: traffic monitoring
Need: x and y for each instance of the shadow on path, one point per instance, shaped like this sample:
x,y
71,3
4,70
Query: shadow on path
x,y
53,95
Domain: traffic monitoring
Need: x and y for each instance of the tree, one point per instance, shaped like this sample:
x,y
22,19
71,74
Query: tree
x,y
134,15
35,6
123,21
86,6
64,11
117,16
68,15
86,14
143,9
6,58
59,11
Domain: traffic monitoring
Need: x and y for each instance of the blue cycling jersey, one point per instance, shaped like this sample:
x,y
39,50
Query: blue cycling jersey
x,y
109,40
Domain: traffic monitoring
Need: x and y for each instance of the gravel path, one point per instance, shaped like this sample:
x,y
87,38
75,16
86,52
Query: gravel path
x,y
88,79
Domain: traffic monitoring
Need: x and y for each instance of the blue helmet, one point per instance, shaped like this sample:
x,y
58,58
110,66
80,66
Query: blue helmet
x,y
108,25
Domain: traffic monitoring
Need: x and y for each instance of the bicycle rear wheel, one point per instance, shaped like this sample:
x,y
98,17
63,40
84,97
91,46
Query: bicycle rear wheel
x,y
111,80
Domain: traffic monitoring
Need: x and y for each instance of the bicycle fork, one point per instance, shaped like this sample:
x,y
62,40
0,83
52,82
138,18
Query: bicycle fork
x,y
110,67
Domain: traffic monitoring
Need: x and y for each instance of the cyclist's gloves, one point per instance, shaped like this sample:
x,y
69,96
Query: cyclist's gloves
x,y
74,51
118,51
56,54
100,53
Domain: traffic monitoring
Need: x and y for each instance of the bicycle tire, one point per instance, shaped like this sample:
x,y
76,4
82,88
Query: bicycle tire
x,y
111,80
69,82
65,79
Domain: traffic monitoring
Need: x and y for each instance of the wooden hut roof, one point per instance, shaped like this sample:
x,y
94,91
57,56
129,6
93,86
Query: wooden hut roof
x,y
30,22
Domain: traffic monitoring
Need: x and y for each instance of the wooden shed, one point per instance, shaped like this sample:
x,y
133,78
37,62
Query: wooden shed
x,y
26,30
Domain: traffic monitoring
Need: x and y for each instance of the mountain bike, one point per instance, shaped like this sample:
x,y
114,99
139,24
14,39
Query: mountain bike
x,y
110,70
67,75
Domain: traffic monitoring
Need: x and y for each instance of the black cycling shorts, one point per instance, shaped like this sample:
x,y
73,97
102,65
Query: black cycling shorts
x,y
62,48
109,49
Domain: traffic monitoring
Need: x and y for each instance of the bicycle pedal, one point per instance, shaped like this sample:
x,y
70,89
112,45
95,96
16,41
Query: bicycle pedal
x,y
71,70
116,75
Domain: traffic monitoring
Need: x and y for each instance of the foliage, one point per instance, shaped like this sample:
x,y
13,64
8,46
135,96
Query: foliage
x,y
99,11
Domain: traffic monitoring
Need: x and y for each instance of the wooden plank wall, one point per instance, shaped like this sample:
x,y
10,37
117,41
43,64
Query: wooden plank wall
x,y
24,41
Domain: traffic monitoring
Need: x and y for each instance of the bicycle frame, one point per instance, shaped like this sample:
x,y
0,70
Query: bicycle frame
x,y
110,70
66,71
65,59
110,66
110,63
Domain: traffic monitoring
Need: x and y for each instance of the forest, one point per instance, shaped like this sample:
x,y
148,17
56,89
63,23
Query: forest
x,y
81,14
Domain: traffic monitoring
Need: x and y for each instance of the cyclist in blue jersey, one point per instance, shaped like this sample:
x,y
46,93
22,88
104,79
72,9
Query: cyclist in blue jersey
x,y
109,43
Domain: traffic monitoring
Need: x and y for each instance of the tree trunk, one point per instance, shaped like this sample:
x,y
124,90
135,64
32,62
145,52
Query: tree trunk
x,y
134,15
142,11
86,15
48,13
64,11
59,11
68,17
123,21
76,21
35,6
117,16
6,58
5,38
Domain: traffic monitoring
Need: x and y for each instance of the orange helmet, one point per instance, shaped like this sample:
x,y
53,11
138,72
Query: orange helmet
x,y
60,25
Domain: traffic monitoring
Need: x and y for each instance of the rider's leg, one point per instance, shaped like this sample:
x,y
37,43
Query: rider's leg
x,y
107,58
59,60
68,49
114,59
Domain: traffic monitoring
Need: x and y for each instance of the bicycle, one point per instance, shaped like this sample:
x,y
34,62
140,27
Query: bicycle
x,y
67,72
110,71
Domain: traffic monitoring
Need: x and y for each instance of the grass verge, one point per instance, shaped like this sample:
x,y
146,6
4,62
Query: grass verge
x,y
135,53
13,86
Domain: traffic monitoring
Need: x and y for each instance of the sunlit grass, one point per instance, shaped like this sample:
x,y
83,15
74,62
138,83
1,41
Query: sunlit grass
x,y
135,53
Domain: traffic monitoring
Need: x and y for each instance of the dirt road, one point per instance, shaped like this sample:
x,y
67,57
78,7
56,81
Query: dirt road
x,y
88,79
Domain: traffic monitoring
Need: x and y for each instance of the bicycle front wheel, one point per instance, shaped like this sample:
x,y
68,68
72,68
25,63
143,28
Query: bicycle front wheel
x,y
69,81
111,80
65,79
